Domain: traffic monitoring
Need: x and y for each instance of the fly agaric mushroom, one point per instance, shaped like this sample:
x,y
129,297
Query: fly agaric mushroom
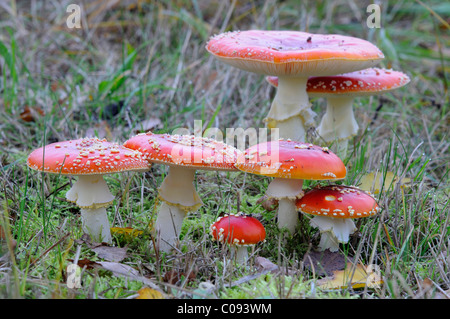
x,y
290,163
339,123
184,154
334,207
239,231
89,159
293,56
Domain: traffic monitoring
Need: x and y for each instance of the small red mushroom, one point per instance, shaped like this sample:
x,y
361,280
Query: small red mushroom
x,y
334,207
239,231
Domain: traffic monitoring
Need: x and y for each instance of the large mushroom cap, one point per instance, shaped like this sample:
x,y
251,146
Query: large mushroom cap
x,y
238,229
86,156
185,150
292,160
359,83
338,202
293,53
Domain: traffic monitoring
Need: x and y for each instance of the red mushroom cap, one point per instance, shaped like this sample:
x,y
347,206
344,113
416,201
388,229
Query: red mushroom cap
x,y
289,159
185,150
359,83
86,156
338,202
238,229
293,53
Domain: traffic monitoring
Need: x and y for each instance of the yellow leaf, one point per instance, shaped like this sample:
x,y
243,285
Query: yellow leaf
x,y
149,293
372,182
358,276
127,231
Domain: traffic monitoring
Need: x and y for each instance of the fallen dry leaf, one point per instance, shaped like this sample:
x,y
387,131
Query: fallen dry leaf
x,y
121,270
264,264
325,262
108,253
149,293
358,276
30,114
372,182
89,264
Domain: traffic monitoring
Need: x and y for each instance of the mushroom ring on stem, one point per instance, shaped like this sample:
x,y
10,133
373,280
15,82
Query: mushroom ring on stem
x,y
292,56
290,163
89,159
239,231
184,154
339,123
334,207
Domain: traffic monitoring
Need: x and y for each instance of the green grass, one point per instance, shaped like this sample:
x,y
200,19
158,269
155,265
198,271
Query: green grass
x,y
132,65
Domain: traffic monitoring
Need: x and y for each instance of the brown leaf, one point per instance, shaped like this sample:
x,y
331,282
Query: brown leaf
x,y
89,264
264,264
56,85
426,284
325,262
30,114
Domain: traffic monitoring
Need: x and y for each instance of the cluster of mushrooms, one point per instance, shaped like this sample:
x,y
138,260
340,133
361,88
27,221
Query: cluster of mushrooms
x,y
338,68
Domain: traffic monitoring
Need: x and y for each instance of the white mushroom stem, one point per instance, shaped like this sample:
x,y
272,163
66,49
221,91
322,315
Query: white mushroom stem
x,y
328,241
338,124
333,231
168,226
286,191
178,188
287,215
95,223
90,191
92,195
240,252
179,197
291,111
